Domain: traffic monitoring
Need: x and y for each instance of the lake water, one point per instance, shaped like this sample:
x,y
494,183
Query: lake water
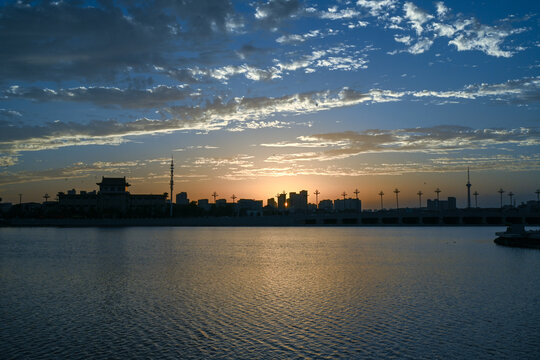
x,y
276,293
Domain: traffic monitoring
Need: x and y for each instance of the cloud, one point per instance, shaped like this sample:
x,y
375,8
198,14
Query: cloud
x,y
273,12
435,140
519,90
422,45
224,73
442,10
105,96
342,58
76,170
416,16
237,114
487,39
403,39
299,38
358,24
8,160
258,108
334,14
377,7
9,114
46,40
466,34
501,162
197,147
240,160
214,116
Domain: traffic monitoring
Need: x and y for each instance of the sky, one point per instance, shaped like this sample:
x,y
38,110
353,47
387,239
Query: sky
x,y
253,98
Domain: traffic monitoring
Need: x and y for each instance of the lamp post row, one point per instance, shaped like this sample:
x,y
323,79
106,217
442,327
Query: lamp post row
x,y
381,194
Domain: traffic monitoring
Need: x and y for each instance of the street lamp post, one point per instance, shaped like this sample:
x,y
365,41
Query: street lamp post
x,y
396,191
356,192
511,195
501,192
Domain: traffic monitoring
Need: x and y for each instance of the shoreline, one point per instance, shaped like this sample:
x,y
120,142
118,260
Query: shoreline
x,y
262,221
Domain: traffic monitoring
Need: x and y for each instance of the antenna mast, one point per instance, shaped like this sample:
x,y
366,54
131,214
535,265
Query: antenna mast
x,y
468,189
172,186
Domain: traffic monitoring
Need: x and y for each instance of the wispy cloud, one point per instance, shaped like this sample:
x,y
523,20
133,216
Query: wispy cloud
x,y
240,160
273,12
299,38
76,170
518,90
252,112
81,170
106,96
334,13
377,7
502,162
435,140
238,114
465,34
342,57
487,39
7,113
8,160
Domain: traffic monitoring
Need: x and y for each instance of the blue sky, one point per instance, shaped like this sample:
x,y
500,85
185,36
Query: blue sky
x,y
256,97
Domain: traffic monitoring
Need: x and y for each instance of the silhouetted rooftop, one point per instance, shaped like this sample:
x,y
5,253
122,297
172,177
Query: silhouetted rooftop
x,y
113,181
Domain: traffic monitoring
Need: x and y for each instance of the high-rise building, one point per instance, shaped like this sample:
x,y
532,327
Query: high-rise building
x,y
298,202
271,203
282,201
182,199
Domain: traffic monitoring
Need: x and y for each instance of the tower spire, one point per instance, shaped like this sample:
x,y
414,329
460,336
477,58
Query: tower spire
x,y
172,186
468,189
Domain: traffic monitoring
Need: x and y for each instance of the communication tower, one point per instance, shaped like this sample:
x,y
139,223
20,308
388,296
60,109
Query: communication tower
x,y
172,186
468,190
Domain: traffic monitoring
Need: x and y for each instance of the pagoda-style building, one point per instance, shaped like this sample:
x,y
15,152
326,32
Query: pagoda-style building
x,y
113,195
113,199
113,185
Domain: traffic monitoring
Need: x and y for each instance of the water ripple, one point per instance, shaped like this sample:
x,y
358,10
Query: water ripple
x,y
274,293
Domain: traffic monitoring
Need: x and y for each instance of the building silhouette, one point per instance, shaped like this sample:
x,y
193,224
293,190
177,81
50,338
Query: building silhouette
x,y
298,202
348,205
182,198
250,207
203,204
282,201
221,202
112,199
271,203
326,205
436,204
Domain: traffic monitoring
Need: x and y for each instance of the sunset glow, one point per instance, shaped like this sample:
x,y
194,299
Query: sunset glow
x,y
256,98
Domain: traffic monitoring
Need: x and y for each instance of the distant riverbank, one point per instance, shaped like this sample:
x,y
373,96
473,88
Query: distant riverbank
x,y
290,220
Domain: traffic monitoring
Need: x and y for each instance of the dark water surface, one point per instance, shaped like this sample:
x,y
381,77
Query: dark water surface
x,y
266,293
